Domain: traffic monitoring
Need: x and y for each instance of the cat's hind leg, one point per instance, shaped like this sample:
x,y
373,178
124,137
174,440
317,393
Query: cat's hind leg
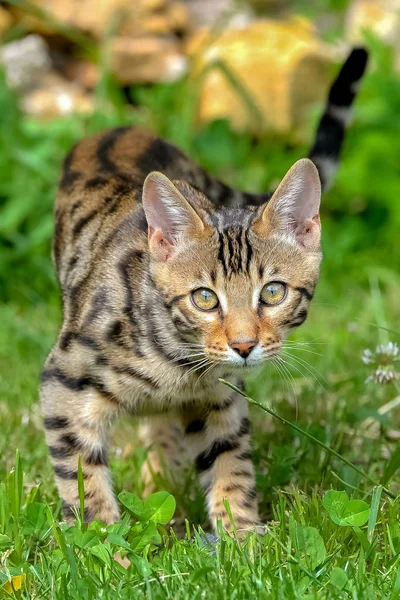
x,y
163,437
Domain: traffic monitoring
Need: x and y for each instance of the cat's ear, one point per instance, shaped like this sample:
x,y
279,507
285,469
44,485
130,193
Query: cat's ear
x,y
294,207
170,217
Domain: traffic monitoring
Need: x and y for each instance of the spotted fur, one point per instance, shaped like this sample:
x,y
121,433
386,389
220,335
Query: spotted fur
x,y
129,248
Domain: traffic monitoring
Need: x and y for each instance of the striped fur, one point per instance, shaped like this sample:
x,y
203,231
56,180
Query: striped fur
x,y
132,339
325,152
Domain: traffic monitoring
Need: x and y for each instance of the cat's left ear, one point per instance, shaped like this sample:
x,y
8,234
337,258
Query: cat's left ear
x,y
294,207
172,221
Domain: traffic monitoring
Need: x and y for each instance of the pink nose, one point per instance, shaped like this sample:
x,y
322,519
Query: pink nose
x,y
243,348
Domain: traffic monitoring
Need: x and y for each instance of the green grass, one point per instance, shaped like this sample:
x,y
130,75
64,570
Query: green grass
x,y
312,550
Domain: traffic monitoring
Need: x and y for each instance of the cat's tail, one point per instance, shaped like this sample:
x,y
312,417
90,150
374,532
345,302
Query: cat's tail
x,y
331,129
328,142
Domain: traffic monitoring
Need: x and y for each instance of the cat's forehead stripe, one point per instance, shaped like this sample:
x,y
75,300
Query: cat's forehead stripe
x,y
234,250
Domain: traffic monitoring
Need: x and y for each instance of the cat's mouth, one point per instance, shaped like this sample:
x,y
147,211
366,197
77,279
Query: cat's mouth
x,y
201,360
250,364
256,359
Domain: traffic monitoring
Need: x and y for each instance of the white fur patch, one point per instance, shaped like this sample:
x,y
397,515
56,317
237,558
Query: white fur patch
x,y
256,297
340,113
233,357
223,301
328,167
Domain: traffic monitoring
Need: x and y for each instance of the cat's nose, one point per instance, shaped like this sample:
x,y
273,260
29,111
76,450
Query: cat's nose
x,y
243,348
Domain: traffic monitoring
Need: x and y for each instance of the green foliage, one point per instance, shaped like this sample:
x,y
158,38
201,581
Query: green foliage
x,y
29,528
339,578
158,507
345,512
28,173
319,544
392,467
309,557
308,544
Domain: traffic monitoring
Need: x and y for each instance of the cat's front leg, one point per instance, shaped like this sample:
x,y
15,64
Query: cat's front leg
x,y
77,418
221,439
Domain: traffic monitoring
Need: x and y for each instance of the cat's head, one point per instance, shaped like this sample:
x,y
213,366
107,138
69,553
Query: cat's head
x,y
236,281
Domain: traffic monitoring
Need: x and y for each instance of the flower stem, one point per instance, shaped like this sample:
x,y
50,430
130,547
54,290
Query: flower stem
x,y
309,436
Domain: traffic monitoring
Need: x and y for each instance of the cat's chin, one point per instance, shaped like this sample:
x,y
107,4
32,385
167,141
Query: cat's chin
x,y
235,369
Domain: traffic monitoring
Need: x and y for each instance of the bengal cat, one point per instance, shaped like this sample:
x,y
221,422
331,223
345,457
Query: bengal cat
x,y
171,280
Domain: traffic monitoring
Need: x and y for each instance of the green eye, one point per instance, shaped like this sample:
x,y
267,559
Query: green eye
x,y
273,293
205,299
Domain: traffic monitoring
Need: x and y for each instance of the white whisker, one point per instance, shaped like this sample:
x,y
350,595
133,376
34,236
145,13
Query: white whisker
x,y
314,341
177,358
198,366
191,345
281,374
210,368
293,347
308,368
190,362
292,383
308,365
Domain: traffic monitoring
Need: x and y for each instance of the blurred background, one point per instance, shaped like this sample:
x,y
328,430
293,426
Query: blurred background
x,y
240,87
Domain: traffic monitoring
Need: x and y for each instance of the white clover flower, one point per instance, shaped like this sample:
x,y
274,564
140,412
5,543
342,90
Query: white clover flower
x,y
383,376
368,357
387,353
384,357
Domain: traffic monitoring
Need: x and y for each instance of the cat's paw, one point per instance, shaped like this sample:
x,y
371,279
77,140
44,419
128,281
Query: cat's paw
x,y
210,538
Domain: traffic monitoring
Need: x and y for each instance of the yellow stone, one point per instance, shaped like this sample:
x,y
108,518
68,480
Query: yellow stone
x,y
263,77
6,20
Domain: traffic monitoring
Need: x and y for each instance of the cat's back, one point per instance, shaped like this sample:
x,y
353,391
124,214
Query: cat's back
x,y
99,195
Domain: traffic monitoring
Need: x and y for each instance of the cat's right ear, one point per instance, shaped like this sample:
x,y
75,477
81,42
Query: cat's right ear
x,y
171,219
294,207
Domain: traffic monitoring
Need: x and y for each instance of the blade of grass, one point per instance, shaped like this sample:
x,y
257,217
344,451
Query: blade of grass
x,y
244,94
18,485
294,560
347,484
57,533
228,510
308,435
378,307
373,515
81,491
391,467
379,327
16,502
